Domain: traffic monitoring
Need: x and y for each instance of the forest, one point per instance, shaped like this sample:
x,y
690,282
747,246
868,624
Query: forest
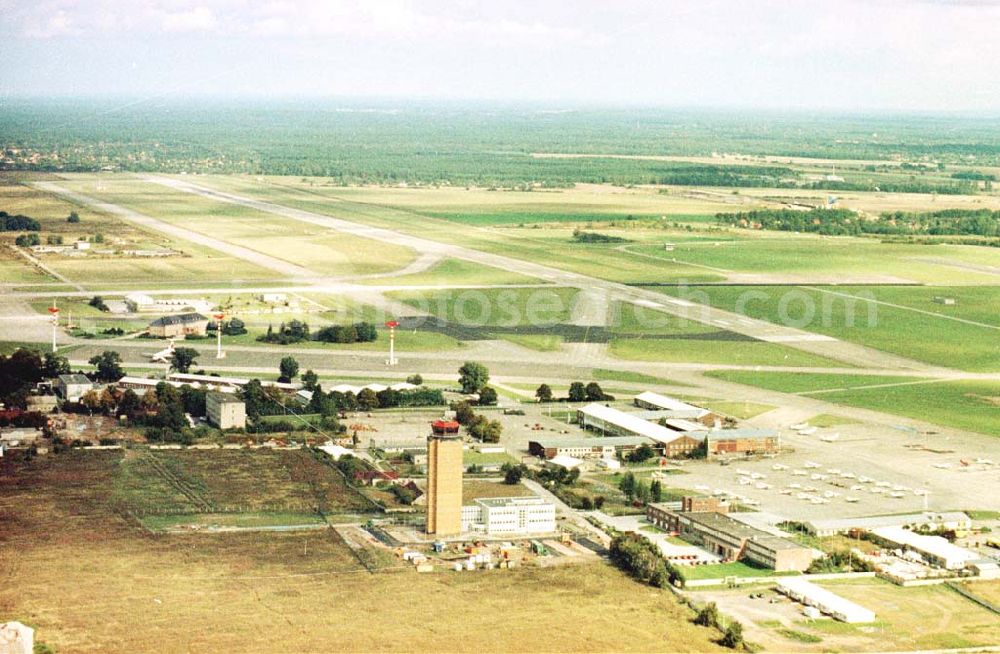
x,y
952,222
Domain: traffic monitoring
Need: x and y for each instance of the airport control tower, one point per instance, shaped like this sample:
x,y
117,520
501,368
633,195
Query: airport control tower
x,y
444,479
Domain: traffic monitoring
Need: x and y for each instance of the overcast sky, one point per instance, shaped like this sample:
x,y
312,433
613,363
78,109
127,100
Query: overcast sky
x,y
839,54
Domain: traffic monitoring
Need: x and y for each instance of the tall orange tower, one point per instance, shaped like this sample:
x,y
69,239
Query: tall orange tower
x,y
444,483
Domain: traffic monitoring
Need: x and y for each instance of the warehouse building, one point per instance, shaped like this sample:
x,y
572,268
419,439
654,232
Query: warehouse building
x,y
732,540
955,520
743,441
612,422
180,325
498,516
674,408
225,411
587,448
934,549
829,603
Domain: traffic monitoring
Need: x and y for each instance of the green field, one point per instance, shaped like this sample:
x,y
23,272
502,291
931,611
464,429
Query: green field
x,y
723,570
495,310
805,382
939,339
707,350
458,272
819,257
968,404
916,618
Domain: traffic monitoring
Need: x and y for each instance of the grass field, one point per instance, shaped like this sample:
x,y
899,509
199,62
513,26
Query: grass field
x,y
723,570
967,404
935,335
804,257
916,618
707,350
316,248
457,271
491,307
804,382
101,585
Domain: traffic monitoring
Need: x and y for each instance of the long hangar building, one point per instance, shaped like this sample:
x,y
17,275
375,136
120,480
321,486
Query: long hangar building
x,y
613,422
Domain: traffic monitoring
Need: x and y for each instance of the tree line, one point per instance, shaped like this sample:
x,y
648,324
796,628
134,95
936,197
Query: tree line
x,y
977,222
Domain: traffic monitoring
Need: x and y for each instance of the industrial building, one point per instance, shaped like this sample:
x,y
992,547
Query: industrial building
x,y
732,540
825,601
225,410
444,484
956,520
181,325
742,441
613,422
586,448
934,549
140,302
509,516
669,407
72,387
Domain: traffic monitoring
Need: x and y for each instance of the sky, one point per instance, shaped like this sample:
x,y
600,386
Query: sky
x,y
908,55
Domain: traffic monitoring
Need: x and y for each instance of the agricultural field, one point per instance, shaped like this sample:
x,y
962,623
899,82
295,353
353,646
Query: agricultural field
x,y
962,404
932,334
316,248
100,584
250,483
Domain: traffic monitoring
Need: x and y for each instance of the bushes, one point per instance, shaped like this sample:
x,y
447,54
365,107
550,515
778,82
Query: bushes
x,y
27,240
594,237
18,223
359,332
640,558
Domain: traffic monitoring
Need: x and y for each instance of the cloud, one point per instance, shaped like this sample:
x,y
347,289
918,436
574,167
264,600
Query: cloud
x,y
60,23
198,19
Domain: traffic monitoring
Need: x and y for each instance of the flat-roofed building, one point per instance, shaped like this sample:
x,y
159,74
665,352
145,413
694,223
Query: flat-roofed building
x,y
71,387
957,520
225,410
587,448
837,607
743,441
934,549
732,540
609,421
509,516
444,484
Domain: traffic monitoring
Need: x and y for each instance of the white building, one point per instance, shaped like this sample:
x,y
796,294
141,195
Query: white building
x,y
935,550
673,408
72,387
619,423
830,603
509,515
225,411
956,520
16,638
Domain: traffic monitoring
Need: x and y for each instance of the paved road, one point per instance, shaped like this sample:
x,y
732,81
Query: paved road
x,y
817,344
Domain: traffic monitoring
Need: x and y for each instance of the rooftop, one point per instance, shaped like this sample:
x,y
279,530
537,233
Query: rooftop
x,y
497,502
630,422
678,424
725,524
934,545
180,319
74,378
597,441
667,403
827,600
873,521
746,432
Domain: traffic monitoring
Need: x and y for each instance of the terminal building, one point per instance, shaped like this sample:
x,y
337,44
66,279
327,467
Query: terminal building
x,y
732,540
586,448
503,516
612,422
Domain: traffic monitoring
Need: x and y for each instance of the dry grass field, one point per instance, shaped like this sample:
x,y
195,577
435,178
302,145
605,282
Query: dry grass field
x,y
89,581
